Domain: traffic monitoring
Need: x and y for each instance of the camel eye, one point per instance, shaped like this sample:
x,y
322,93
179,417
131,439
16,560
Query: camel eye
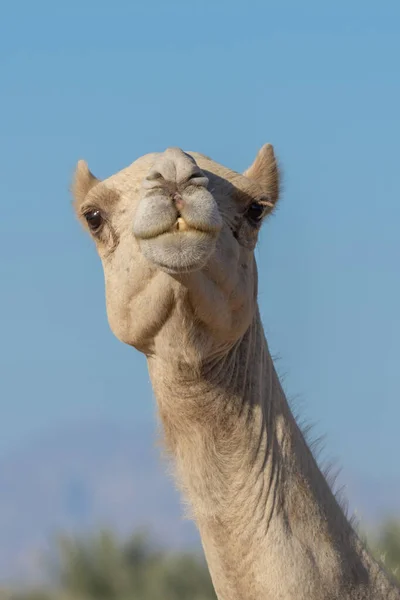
x,y
94,219
255,212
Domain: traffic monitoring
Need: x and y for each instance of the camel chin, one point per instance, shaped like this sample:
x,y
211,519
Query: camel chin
x,y
179,252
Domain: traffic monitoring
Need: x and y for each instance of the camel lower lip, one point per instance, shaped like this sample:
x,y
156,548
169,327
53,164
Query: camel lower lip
x,y
179,251
177,269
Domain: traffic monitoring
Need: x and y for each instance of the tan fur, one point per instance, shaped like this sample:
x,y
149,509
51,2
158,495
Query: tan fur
x,y
84,180
187,297
265,170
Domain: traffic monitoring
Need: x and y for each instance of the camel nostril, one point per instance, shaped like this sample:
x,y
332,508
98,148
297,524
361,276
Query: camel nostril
x,y
154,176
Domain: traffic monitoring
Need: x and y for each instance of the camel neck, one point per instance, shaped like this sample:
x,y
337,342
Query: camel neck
x,y
270,525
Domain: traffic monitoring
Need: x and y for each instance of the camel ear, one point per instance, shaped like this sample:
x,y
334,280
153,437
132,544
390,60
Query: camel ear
x,y
265,172
83,182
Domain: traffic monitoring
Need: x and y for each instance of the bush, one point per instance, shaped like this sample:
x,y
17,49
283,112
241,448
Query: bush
x,y
386,546
101,567
104,568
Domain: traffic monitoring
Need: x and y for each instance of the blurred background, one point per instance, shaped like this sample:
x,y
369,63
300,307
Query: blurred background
x,y
109,82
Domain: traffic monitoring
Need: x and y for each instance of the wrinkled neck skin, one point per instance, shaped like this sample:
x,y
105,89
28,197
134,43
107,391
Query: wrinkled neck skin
x,y
270,526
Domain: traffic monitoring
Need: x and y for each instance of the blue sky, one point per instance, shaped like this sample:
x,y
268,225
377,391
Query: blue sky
x,y
111,81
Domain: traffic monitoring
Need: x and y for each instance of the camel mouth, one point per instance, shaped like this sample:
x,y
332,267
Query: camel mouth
x,y
158,214
181,225
181,249
177,225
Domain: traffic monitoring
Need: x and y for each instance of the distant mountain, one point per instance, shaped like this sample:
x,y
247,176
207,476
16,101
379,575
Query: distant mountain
x,y
88,475
80,478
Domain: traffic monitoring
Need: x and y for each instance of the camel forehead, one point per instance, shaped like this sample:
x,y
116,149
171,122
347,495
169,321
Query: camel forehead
x,y
131,177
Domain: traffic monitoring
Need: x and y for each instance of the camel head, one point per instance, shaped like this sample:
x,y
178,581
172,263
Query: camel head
x,y
176,234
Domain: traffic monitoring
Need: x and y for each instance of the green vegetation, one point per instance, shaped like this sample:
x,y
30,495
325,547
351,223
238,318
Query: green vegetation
x,y
104,568
386,546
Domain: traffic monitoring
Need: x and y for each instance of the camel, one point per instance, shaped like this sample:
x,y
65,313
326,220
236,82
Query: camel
x,y
176,234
